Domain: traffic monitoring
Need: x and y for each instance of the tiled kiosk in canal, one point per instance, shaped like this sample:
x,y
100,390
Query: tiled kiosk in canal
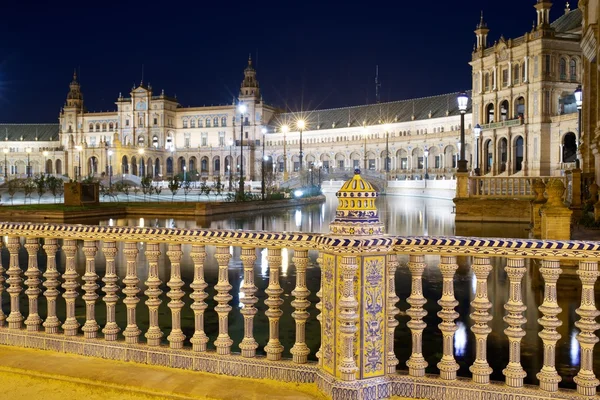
x,y
123,293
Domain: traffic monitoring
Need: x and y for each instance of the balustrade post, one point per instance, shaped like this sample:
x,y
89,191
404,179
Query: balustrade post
x,y
348,316
70,326
586,380
514,373
274,290
15,318
319,306
111,329
249,344
199,339
480,369
392,312
300,350
448,365
416,363
52,323
33,321
90,328
154,334
176,337
548,376
131,281
223,342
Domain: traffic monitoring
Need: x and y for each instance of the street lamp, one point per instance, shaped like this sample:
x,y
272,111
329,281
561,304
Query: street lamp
x,y
45,153
229,165
579,101
262,165
28,150
110,168
426,152
184,171
78,175
300,124
365,132
242,110
463,101
477,133
5,151
387,151
141,153
285,129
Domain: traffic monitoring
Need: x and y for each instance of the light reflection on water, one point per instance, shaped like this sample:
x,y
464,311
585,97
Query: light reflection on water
x,y
402,216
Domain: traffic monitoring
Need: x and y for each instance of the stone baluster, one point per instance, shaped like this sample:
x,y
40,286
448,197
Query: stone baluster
x,y
348,315
52,323
131,281
70,326
514,373
548,376
199,339
90,328
176,337
416,363
448,365
480,369
154,334
586,380
300,350
111,329
223,342
15,319
392,311
33,321
319,306
248,345
274,348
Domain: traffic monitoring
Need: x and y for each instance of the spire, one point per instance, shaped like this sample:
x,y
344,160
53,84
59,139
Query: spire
x,y
481,33
75,75
482,23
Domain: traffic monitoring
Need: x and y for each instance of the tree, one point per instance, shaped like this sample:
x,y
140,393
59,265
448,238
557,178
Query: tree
x,y
157,190
53,184
41,186
218,186
174,185
28,188
136,190
187,188
205,189
13,188
146,183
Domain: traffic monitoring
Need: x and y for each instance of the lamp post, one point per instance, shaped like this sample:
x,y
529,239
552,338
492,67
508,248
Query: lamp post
x,y
45,153
426,153
477,134
78,148
319,164
285,129
463,101
242,110
365,131
579,101
184,173
300,124
141,153
262,165
110,168
229,165
28,150
387,152
5,151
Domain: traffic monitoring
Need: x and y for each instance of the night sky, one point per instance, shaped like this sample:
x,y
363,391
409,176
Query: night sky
x,y
310,54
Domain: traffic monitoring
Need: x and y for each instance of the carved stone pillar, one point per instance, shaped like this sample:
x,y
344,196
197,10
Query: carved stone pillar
x,y
348,315
319,306
392,312
90,328
154,334
274,290
448,365
51,283
416,363
199,339
70,326
131,281
248,344
111,329
585,379
514,373
33,321
480,369
15,319
300,350
176,337
548,376
223,342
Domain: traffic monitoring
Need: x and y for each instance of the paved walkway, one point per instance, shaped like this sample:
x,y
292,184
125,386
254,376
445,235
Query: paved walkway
x,y
27,374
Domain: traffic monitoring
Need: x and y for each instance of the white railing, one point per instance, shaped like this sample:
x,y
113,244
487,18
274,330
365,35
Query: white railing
x,y
506,187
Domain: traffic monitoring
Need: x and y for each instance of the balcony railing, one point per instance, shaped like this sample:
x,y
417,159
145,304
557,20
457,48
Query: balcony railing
x,y
509,187
503,124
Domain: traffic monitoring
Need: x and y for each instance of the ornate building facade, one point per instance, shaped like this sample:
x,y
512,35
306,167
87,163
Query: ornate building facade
x,y
522,97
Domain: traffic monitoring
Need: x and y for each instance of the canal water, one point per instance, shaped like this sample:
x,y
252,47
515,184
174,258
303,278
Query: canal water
x,y
405,216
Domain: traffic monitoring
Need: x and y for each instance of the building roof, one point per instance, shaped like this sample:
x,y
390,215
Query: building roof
x,y
568,22
372,114
29,132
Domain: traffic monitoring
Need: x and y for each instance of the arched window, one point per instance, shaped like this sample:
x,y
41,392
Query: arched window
x,y
489,111
216,122
504,107
563,69
516,74
199,123
116,125
208,122
224,121
104,127
520,107
97,127
155,142
140,140
111,127
169,145
91,127
192,123
573,69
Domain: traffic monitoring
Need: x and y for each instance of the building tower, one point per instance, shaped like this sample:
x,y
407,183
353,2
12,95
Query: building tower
x,y
252,118
543,13
249,90
481,33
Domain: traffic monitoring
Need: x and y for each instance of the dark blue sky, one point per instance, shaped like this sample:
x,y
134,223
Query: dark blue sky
x,y
310,54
